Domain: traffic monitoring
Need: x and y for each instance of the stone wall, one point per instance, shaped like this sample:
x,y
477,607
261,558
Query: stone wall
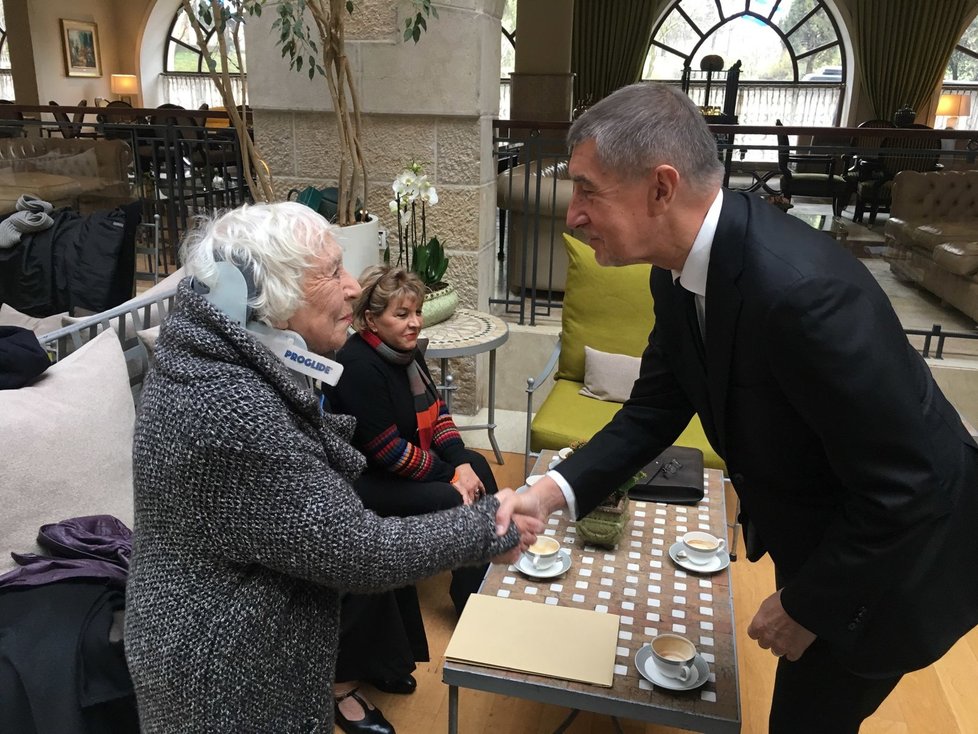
x,y
432,102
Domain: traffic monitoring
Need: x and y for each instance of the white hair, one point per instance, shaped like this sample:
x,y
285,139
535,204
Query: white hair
x,y
275,242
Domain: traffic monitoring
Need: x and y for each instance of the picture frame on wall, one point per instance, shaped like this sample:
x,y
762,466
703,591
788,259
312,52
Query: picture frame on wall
x,y
83,56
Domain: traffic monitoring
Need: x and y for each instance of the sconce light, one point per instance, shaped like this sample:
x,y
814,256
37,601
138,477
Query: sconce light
x,y
125,85
953,106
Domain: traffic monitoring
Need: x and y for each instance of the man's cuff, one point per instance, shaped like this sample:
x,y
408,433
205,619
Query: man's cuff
x,y
566,490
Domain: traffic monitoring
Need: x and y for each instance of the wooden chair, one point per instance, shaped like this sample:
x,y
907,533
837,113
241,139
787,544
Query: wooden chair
x,y
811,175
73,127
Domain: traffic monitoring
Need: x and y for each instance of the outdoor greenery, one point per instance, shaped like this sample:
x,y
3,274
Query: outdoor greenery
x,y
963,65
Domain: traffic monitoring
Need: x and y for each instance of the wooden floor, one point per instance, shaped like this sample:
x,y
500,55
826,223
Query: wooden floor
x,y
938,700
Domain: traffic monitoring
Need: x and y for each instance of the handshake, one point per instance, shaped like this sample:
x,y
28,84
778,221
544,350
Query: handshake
x,y
529,510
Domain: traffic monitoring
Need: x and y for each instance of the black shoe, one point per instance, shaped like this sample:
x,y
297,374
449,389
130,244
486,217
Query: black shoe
x,y
404,685
373,722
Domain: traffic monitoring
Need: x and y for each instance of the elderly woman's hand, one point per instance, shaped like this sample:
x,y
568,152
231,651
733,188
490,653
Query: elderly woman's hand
x,y
528,525
467,483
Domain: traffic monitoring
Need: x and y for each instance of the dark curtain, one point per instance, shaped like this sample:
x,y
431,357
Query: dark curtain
x,y
904,48
611,41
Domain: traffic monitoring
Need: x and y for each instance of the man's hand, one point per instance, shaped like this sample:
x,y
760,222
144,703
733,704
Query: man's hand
x,y
774,630
529,527
538,501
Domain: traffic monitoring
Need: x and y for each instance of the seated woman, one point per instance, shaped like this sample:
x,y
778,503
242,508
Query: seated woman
x,y
247,529
416,460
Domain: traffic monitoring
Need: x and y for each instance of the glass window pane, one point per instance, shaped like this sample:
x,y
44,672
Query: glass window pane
x,y
704,14
676,33
5,56
816,31
182,59
825,66
732,7
961,68
754,43
792,11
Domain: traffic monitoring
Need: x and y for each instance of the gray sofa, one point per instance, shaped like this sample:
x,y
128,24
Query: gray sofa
x,y
932,234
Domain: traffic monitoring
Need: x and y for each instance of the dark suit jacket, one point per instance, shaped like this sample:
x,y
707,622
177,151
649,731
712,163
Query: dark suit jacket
x,y
854,471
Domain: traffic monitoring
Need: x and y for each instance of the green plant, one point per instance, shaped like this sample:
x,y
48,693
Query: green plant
x,y
413,194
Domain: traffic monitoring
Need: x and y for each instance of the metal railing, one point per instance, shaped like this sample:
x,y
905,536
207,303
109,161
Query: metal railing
x,y
532,192
936,338
180,165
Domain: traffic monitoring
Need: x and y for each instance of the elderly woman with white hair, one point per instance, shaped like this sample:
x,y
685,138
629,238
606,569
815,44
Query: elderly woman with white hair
x,y
247,528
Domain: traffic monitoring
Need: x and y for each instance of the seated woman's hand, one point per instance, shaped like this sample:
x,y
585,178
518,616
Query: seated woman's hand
x,y
467,483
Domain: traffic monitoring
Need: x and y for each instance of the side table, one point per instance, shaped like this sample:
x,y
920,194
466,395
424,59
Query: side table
x,y
465,334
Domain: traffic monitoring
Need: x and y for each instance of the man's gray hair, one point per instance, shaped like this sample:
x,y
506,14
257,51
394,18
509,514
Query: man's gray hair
x,y
275,242
645,125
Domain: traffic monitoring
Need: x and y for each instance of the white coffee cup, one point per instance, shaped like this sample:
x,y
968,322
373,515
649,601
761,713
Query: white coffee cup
x,y
544,553
700,548
673,656
565,452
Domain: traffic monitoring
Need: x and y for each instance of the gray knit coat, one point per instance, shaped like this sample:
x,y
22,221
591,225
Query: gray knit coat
x,y
247,531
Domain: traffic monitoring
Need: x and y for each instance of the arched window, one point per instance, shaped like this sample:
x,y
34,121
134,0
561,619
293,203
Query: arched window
x,y
6,76
960,92
779,42
185,67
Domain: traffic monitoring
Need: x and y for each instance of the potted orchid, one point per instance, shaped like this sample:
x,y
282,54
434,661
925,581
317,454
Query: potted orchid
x,y
413,194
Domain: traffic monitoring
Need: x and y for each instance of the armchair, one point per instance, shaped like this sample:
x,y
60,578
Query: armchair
x,y
609,309
813,175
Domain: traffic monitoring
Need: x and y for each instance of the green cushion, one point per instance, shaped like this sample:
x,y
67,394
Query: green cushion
x,y
609,309
566,417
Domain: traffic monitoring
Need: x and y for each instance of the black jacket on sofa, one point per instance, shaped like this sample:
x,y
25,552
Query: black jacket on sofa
x,y
83,261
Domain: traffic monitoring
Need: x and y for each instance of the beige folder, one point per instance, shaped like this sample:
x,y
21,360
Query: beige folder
x,y
532,637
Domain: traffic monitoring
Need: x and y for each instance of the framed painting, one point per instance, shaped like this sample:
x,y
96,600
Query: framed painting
x,y
82,53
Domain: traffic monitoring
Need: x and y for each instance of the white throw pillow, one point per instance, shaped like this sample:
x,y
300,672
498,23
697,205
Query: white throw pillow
x,y
67,445
609,376
12,317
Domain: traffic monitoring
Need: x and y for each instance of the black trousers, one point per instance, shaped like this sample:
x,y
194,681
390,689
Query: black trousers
x,y
377,640
388,496
817,695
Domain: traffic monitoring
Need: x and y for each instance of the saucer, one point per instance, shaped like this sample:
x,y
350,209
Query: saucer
x,y
720,561
558,567
646,667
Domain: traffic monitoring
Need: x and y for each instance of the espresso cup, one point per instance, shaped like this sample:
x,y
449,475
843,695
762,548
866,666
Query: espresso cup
x,y
701,548
543,554
673,656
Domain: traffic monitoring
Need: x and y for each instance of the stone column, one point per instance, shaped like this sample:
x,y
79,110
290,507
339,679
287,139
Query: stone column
x,y
432,102
543,85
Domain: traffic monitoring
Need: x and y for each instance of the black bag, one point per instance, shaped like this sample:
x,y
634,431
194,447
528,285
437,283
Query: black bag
x,y
675,476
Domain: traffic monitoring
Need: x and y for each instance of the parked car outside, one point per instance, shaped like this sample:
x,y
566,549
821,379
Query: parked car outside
x,y
825,74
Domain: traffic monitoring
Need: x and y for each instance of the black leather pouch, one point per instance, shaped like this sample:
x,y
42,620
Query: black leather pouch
x,y
675,476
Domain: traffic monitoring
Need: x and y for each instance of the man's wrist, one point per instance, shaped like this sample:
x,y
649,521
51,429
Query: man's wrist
x,y
564,498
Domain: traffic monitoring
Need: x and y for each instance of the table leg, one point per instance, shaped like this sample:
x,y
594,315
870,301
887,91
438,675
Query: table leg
x,y
453,710
447,385
492,407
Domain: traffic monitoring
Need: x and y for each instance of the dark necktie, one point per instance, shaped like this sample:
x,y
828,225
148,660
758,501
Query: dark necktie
x,y
687,301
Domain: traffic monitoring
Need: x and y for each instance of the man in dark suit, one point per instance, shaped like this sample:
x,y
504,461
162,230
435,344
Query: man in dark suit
x,y
854,472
